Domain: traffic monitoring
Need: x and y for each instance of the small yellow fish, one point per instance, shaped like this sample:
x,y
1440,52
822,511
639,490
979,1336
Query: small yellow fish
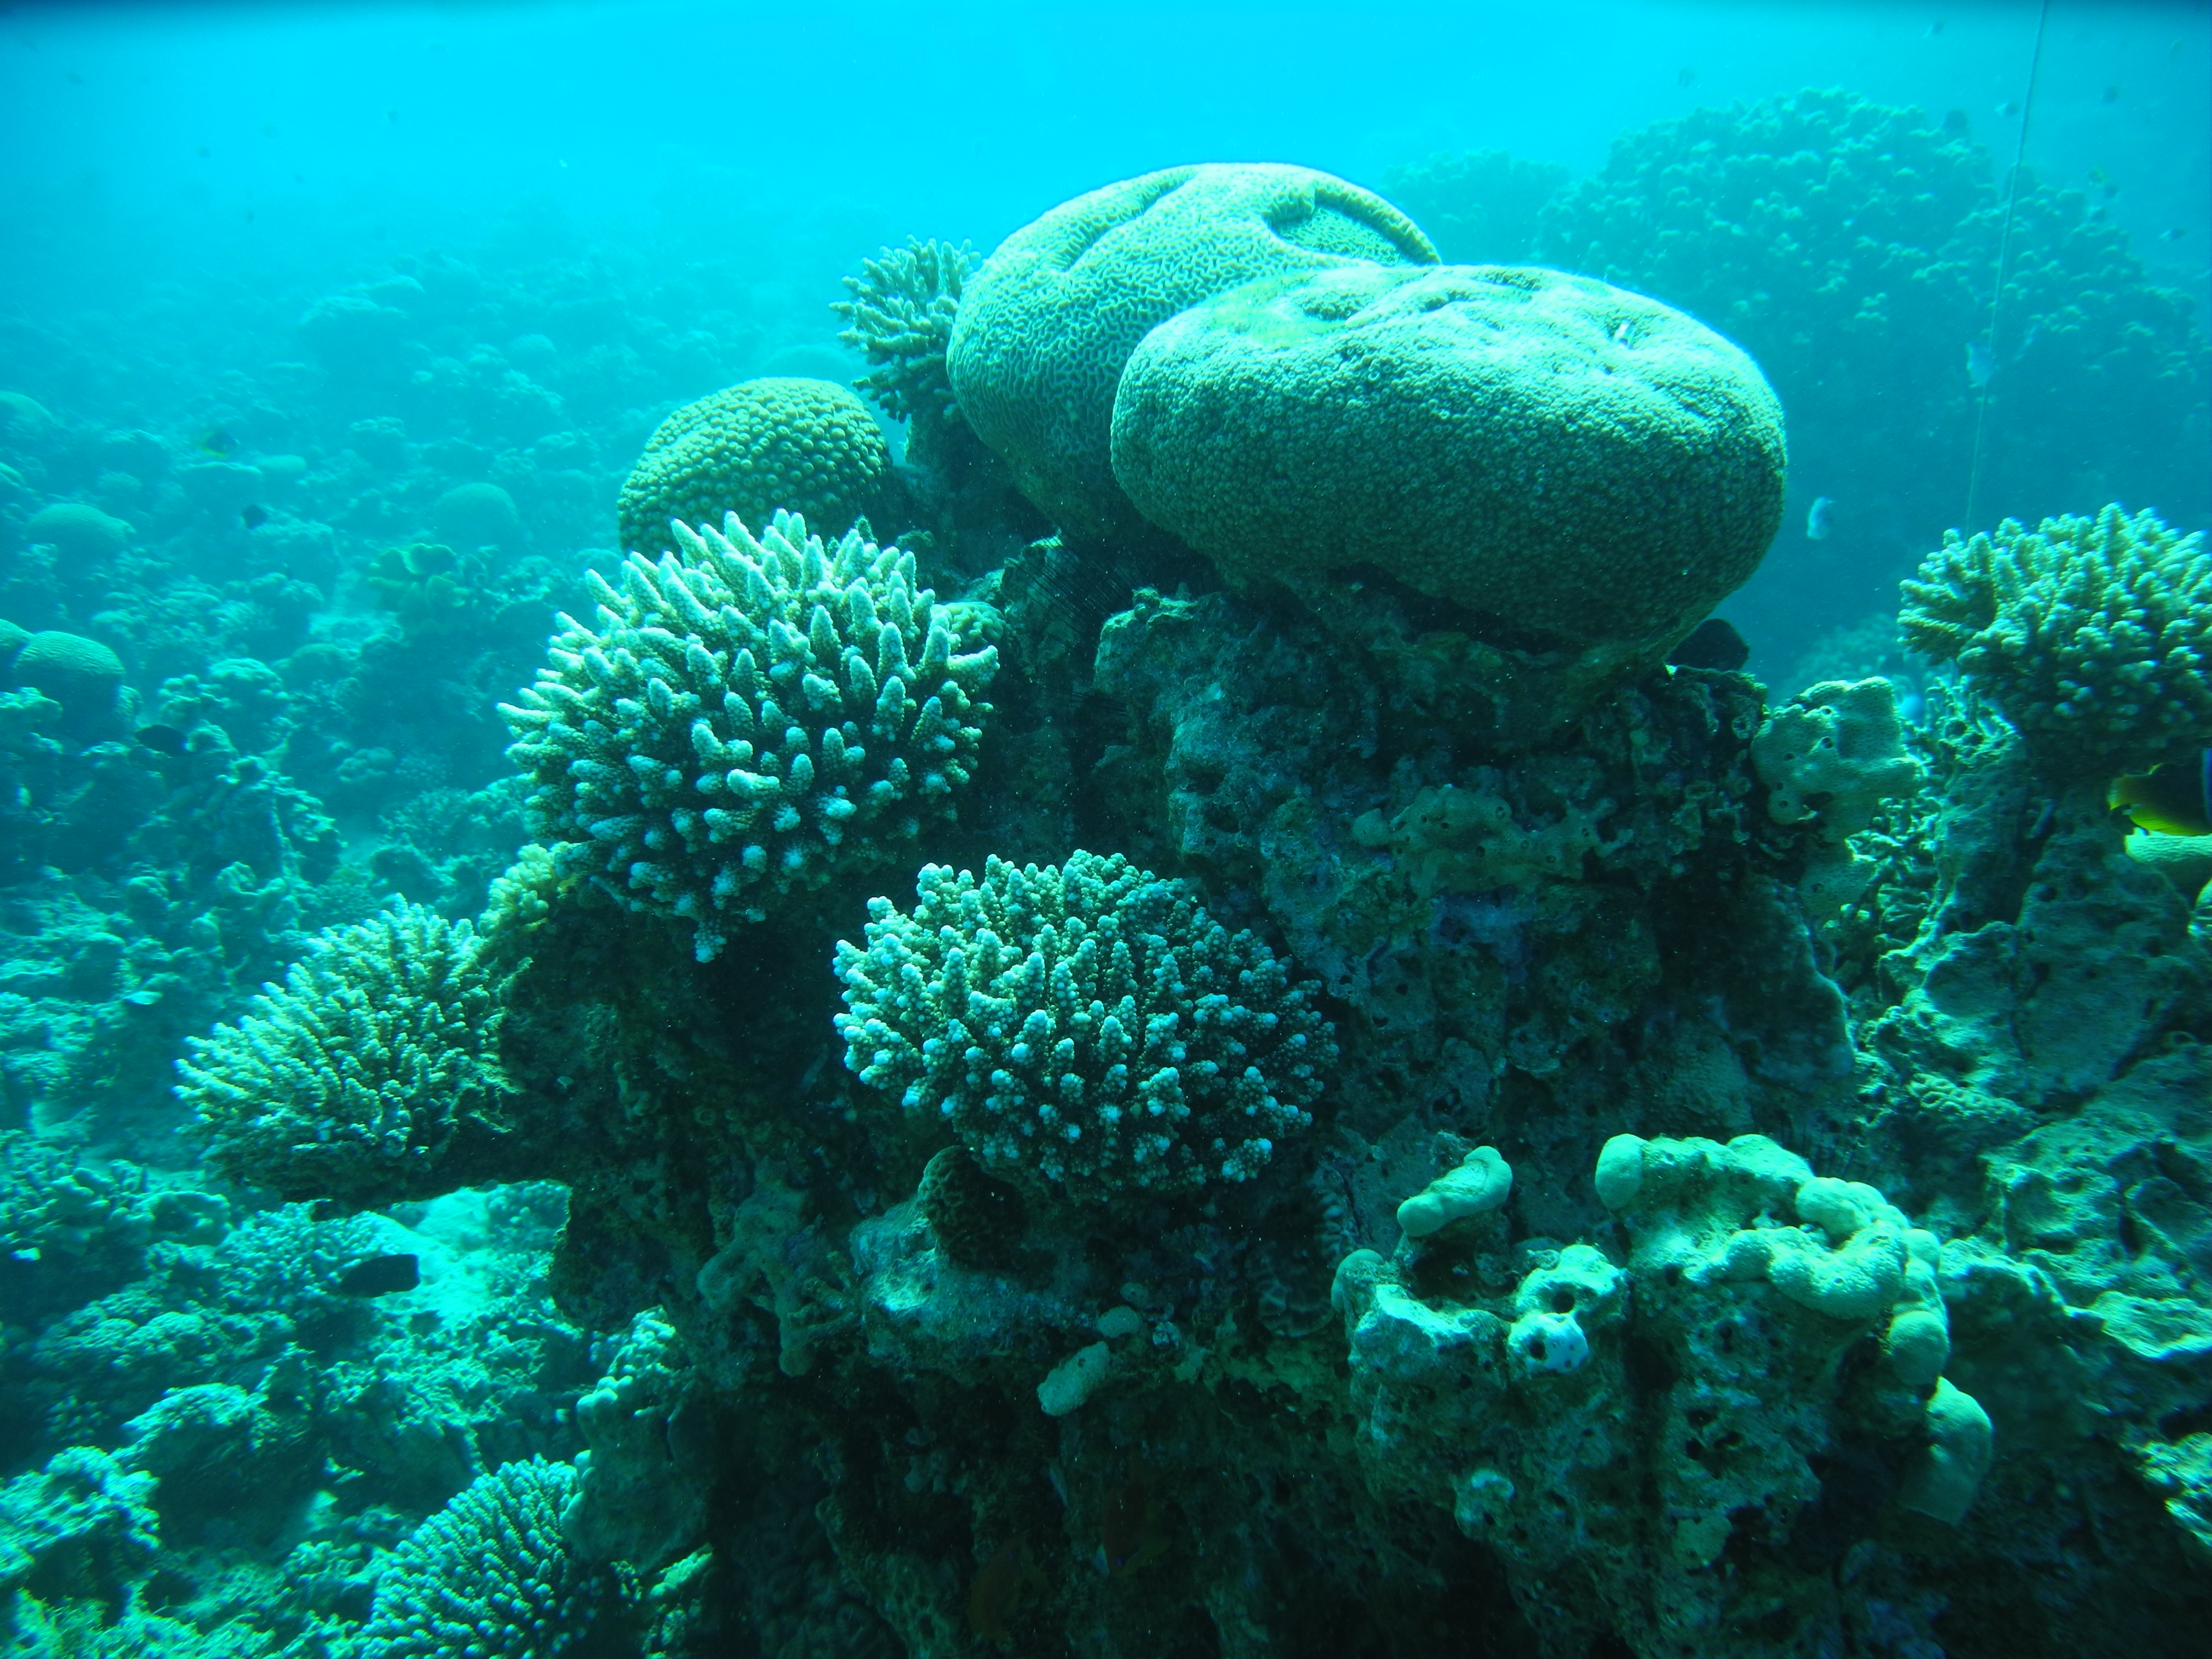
x,y
2171,799
216,442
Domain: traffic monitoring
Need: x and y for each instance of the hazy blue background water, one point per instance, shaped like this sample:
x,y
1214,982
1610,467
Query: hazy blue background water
x,y
181,181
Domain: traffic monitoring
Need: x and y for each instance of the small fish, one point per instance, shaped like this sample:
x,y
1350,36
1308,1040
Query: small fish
x,y
1130,1533
253,517
996,1595
2173,233
1934,29
1981,365
1713,643
1685,77
2171,799
2112,95
1820,520
2103,180
2007,107
380,1275
216,442
161,739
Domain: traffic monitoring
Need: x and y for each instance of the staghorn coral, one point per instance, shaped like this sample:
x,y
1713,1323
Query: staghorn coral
x,y
900,316
757,448
371,1074
747,721
1046,326
2093,637
491,1577
1088,1024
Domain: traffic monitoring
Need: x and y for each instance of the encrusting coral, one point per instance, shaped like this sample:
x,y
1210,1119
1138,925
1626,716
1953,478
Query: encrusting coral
x,y
755,449
747,721
1045,327
369,1074
1088,1024
490,1575
2093,637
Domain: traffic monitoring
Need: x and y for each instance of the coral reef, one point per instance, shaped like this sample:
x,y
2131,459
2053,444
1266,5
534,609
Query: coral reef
x,y
1480,207
373,1071
765,447
1046,326
745,724
1570,459
2093,637
1086,1025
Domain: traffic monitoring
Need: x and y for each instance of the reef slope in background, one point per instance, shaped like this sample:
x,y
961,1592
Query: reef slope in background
x,y
982,1077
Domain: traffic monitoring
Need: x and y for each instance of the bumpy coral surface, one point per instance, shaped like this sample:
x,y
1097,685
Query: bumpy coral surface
x,y
1568,457
363,1074
746,720
2093,635
778,443
1088,1024
490,1575
899,316
1046,324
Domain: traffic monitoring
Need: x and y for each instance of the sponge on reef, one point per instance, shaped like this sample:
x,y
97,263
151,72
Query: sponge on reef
x,y
2093,636
1045,327
1542,448
747,721
370,1075
1089,1025
808,445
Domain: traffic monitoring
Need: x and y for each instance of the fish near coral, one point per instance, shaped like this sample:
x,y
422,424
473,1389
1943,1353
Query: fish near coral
x,y
2172,798
1131,1530
996,1597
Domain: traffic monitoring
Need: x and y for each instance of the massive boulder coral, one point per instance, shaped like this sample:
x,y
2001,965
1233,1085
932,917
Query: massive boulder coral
x,y
749,720
2093,637
1571,460
371,1074
1086,1025
1045,327
759,447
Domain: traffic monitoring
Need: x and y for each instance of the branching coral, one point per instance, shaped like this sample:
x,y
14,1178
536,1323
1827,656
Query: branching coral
x,y
901,317
1089,1025
749,720
808,445
2093,636
367,1076
490,1575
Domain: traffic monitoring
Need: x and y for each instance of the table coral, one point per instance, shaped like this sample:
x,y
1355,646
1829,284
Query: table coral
x,y
371,1072
1087,1023
759,447
1566,458
2093,636
747,721
1046,326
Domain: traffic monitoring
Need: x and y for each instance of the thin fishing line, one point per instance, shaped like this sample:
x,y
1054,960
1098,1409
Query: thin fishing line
x,y
2004,252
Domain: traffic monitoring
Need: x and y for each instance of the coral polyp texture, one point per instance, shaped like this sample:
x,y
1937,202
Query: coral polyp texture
x,y
490,1575
1046,326
371,1074
1572,459
1088,1024
900,317
746,721
2093,636
757,448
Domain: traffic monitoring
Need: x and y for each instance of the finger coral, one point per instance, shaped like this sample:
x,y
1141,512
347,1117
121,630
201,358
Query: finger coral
x,y
2093,636
369,1075
747,720
1089,1025
777,442
490,1575
901,317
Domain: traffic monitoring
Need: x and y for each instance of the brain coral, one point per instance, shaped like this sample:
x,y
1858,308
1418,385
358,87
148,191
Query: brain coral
x,y
79,674
489,1577
1089,1025
1543,448
2093,637
80,532
747,721
1046,326
369,1075
763,445
901,317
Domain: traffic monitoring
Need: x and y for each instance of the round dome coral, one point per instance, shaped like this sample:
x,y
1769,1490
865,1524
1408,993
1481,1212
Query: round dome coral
x,y
764,445
1572,460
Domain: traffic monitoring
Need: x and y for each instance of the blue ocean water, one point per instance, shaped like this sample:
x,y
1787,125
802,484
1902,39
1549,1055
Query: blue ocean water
x,y
1369,942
